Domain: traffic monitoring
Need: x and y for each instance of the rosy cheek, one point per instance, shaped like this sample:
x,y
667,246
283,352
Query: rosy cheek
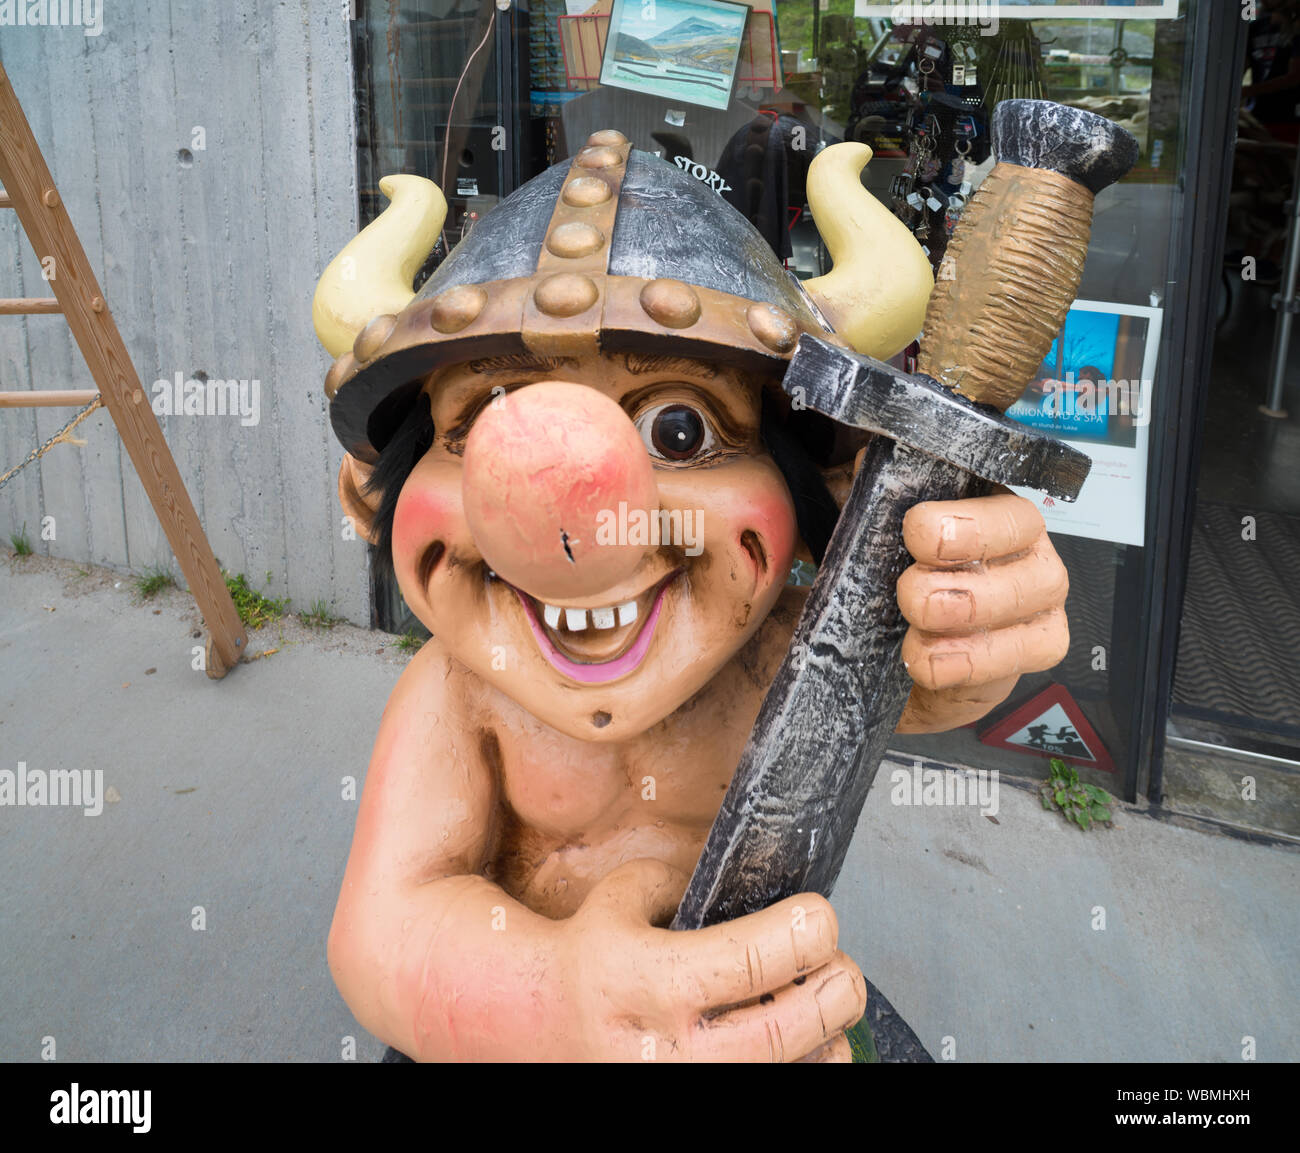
x,y
769,513
773,515
427,511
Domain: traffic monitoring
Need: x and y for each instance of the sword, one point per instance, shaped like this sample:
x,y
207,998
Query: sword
x,y
1017,257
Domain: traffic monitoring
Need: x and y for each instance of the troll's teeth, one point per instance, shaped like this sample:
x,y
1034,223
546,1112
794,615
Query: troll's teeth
x,y
551,615
576,619
602,618
627,613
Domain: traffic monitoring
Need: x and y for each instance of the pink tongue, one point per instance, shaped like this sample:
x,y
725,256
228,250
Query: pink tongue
x,y
596,673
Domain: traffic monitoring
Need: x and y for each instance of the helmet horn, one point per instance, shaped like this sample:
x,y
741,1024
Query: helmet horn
x,y
374,272
880,281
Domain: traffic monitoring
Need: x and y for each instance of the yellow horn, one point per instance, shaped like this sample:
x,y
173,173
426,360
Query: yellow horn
x,y
880,281
374,272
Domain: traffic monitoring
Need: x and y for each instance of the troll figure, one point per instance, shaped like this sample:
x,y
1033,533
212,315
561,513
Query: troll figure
x,y
572,448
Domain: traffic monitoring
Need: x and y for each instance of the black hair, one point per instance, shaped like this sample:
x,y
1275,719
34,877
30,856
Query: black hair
x,y
794,445
397,459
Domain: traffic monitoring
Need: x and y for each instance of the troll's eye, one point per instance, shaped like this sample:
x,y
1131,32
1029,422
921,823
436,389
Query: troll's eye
x,y
675,432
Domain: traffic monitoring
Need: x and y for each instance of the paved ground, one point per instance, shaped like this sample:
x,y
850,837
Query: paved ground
x,y
228,797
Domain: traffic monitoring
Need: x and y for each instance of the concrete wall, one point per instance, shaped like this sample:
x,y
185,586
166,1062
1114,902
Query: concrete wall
x,y
208,258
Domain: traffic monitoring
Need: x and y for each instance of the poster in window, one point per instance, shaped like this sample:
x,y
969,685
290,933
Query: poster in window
x,y
687,51
1094,391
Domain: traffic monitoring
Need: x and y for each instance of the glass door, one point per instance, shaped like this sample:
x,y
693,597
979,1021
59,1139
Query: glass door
x,y
1118,360
1233,731
480,98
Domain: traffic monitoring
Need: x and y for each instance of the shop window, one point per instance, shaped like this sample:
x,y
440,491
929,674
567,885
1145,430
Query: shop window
x,y
481,100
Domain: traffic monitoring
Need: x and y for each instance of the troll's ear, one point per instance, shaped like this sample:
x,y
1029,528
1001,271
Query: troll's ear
x,y
817,506
360,505
838,478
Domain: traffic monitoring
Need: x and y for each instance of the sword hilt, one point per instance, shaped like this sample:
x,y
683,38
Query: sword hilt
x,y
1016,259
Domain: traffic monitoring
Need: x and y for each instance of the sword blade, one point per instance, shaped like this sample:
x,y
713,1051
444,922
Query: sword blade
x,y
793,804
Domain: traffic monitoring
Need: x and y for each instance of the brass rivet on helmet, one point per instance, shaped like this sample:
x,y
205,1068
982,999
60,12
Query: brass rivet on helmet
x,y
574,239
608,137
454,309
598,158
566,294
772,326
372,336
670,302
585,192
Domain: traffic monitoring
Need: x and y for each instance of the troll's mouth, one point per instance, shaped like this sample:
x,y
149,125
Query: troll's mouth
x,y
597,644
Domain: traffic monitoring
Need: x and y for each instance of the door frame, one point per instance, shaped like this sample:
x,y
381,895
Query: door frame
x,y
1213,67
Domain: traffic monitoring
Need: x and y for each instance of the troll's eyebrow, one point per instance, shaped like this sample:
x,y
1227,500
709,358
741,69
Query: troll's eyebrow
x,y
466,394
495,365
639,364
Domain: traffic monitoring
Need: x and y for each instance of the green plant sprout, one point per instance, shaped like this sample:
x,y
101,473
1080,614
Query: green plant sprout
x,y
153,581
319,616
408,642
1084,805
254,609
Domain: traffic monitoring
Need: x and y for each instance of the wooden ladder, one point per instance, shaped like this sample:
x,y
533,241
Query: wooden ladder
x,y
29,190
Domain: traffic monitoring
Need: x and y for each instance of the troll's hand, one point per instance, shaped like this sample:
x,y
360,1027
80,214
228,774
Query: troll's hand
x,y
985,602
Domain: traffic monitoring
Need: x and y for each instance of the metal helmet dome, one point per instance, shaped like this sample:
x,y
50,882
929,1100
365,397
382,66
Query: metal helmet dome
x,y
614,251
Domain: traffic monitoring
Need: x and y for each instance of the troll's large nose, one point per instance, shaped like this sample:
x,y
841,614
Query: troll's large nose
x,y
544,468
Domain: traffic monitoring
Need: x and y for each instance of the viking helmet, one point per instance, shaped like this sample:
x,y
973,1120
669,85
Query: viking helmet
x,y
614,251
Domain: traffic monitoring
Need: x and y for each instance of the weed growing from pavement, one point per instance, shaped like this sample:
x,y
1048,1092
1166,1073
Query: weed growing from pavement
x,y
22,546
254,608
408,642
153,581
319,616
1082,804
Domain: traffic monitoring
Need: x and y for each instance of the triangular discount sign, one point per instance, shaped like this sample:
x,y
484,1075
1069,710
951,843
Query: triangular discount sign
x,y
1051,724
